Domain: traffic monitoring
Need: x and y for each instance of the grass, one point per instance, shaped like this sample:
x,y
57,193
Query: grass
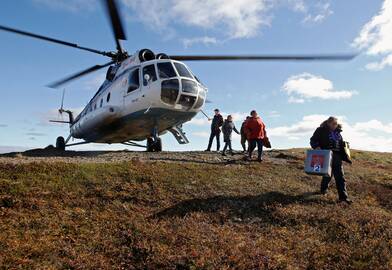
x,y
155,215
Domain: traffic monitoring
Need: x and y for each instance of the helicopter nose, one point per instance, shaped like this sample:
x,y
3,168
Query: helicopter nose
x,y
184,94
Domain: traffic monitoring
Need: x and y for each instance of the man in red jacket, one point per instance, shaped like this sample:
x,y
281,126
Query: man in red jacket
x,y
255,130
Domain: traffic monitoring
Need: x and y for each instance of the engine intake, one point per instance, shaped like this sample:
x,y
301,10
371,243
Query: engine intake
x,y
146,55
162,56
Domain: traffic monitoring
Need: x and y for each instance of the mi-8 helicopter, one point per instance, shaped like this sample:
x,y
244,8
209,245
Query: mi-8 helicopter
x,y
145,94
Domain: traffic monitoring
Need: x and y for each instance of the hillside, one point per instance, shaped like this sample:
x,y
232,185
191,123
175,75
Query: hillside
x,y
127,210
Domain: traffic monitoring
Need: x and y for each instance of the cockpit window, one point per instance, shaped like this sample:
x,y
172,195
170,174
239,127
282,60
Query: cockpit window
x,y
189,86
201,99
166,70
183,71
170,89
150,71
187,101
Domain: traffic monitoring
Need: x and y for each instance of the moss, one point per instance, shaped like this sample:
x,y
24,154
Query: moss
x,y
174,215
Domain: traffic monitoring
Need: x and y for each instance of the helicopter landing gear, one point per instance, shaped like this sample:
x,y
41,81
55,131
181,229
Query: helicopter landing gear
x,y
154,145
60,143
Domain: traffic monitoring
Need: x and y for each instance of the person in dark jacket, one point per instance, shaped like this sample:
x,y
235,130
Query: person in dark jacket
x,y
328,137
227,129
216,124
243,134
255,130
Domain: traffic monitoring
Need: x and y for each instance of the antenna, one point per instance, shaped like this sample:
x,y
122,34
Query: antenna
x,y
61,110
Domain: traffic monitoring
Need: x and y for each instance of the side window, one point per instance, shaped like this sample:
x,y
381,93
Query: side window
x,y
133,81
108,97
150,71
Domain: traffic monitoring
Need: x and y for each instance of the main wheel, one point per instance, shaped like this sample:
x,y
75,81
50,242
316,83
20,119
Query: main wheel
x,y
150,145
60,143
158,145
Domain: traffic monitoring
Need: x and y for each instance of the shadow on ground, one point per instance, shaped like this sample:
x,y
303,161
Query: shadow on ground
x,y
241,208
51,151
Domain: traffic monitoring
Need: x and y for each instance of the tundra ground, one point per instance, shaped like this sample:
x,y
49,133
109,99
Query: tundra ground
x,y
193,210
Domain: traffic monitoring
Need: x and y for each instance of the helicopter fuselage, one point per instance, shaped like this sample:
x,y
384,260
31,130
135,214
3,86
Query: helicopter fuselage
x,y
138,100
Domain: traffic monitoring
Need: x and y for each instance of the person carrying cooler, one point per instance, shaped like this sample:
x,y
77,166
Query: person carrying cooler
x,y
243,134
328,137
255,130
216,124
227,129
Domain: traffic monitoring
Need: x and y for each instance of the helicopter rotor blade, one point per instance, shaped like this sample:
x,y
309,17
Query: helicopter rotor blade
x,y
54,40
116,23
326,57
79,74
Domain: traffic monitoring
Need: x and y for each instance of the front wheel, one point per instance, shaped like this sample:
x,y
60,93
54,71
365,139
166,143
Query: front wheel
x,y
154,146
60,143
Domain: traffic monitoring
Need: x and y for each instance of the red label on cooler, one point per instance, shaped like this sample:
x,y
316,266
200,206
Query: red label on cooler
x,y
317,162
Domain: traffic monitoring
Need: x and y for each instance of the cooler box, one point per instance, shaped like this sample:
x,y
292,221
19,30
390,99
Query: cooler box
x,y
319,162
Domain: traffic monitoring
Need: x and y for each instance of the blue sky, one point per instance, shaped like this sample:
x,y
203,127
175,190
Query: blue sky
x,y
292,98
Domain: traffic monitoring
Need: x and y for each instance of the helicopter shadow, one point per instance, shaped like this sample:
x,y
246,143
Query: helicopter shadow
x,y
241,208
196,161
53,152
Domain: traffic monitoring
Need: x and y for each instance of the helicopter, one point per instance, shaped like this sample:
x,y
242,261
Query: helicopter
x,y
144,95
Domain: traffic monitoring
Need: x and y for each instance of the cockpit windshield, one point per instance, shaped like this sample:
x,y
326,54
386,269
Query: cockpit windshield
x,y
183,71
166,70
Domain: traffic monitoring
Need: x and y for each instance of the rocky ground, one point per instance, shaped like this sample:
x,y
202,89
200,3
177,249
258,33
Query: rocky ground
x,y
213,158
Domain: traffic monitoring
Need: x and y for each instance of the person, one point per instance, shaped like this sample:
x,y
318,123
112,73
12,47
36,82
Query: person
x,y
255,130
243,134
227,129
216,124
328,137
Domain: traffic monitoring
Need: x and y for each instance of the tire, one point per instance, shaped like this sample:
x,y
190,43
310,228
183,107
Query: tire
x,y
60,143
154,146
158,145
150,145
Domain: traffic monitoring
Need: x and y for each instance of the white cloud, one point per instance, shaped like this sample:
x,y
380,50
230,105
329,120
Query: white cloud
x,y
376,37
320,13
237,116
236,18
228,19
372,135
302,128
374,125
273,114
188,42
306,86
296,100
376,66
202,134
298,5
199,121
